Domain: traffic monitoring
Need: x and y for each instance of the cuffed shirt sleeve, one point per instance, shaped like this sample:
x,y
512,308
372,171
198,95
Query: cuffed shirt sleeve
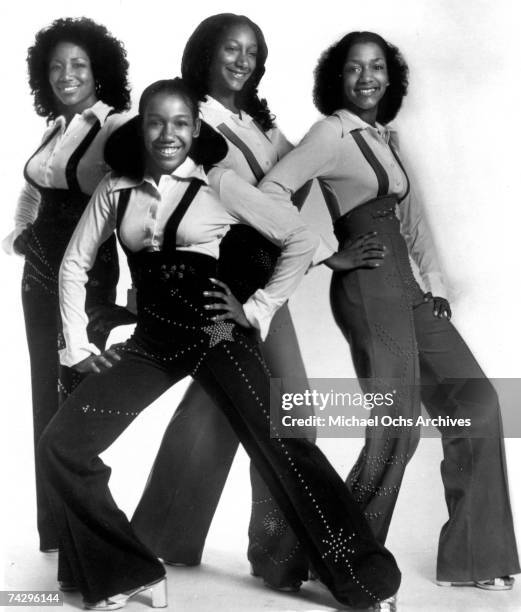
x,y
95,226
26,212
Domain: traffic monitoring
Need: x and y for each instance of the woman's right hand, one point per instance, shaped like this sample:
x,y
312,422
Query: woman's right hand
x,y
98,363
21,242
365,251
230,306
105,317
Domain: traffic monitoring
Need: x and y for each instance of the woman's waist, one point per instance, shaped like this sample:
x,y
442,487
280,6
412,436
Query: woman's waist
x,y
157,274
61,207
377,215
171,302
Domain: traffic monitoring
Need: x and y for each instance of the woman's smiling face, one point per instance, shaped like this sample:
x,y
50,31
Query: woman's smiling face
x,y
169,128
365,79
234,60
71,78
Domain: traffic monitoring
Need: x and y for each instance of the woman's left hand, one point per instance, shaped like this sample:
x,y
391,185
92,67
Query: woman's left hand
x,y
440,306
231,306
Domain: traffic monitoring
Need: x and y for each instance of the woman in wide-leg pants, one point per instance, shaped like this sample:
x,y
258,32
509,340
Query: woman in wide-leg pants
x,y
400,335
173,266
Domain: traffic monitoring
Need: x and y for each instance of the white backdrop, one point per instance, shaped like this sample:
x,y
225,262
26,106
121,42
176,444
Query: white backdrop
x,y
459,124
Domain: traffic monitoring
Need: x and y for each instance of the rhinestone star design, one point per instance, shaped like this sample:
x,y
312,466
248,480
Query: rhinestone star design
x,y
222,331
338,546
274,525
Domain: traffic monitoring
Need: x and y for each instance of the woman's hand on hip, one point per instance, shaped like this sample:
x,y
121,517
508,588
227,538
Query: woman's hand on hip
x,y
21,242
365,251
229,305
98,363
440,306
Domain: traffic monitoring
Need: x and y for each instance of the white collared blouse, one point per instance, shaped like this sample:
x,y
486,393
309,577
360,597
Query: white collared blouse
x,y
330,153
268,147
233,176
201,230
47,167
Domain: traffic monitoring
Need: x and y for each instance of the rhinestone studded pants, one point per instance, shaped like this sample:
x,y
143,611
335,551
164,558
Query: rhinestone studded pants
x,y
393,335
104,556
200,440
49,380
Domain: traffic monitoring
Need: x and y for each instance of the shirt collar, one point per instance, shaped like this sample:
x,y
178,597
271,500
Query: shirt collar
x,y
213,105
98,110
348,118
187,170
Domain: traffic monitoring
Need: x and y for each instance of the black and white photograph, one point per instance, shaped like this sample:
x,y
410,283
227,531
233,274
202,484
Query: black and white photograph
x,y
261,306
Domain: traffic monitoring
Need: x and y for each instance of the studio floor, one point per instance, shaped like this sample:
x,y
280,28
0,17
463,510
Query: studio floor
x,y
223,583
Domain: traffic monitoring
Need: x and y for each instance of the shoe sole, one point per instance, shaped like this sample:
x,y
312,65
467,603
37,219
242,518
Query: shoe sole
x,y
478,585
282,589
290,588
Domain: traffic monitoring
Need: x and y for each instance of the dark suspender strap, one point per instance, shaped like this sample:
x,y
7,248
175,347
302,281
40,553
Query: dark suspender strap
x,y
370,157
169,236
123,199
72,165
44,144
172,225
408,188
244,149
330,199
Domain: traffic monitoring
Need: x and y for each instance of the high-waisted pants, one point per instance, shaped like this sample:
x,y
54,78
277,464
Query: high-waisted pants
x,y
50,382
393,334
175,337
200,442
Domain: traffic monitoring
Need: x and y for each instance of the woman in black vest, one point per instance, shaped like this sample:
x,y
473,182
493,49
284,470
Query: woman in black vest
x,y
78,77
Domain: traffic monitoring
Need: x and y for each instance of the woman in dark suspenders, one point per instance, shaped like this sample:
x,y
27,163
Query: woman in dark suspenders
x,y
170,222
78,76
395,329
223,62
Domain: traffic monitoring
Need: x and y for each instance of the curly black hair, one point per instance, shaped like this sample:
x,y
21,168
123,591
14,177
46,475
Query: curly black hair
x,y
107,56
328,91
198,55
124,151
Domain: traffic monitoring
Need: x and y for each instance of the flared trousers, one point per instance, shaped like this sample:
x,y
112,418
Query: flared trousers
x,y
104,556
201,443
394,336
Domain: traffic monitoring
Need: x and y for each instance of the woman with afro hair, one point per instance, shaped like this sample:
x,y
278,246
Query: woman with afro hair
x,y
223,62
400,335
78,78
